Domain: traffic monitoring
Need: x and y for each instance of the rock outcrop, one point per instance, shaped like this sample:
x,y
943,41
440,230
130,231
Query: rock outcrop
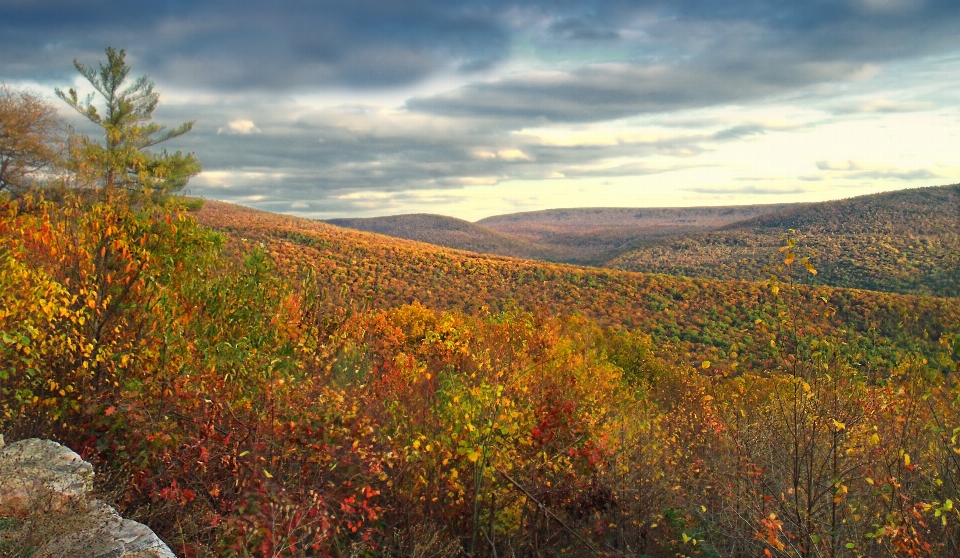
x,y
46,511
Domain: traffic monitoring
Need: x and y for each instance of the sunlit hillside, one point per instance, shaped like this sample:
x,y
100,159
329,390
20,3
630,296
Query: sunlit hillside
x,y
282,387
906,241
703,319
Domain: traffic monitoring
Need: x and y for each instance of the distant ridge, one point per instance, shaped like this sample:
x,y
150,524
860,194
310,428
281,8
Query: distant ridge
x,y
907,241
592,236
693,319
448,232
588,236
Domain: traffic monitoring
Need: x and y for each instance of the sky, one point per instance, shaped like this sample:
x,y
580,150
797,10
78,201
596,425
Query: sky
x,y
483,107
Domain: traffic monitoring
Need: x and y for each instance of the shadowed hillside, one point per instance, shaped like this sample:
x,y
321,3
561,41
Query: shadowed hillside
x,y
906,241
444,231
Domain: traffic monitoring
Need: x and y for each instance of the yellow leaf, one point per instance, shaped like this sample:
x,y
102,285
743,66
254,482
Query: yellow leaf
x,y
267,473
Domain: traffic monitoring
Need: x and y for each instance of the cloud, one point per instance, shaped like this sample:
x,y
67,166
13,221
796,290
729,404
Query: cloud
x,y
292,45
311,103
758,190
858,169
608,91
888,6
242,127
575,29
899,174
255,45
512,155
884,106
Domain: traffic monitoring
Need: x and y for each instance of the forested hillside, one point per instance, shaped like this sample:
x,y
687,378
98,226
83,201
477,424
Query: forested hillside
x,y
592,236
292,388
589,236
906,241
443,231
704,319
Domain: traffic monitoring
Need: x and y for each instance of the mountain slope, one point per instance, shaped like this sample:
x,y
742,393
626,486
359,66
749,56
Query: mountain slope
x,y
444,231
588,236
906,241
697,319
591,236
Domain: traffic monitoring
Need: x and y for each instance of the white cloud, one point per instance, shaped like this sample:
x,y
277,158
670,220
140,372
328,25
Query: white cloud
x,y
886,105
242,127
512,155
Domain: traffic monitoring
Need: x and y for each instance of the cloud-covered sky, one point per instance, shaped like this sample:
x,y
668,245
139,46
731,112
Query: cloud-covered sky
x,y
474,108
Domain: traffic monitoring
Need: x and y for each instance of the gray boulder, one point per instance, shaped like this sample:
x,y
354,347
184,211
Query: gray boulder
x,y
46,511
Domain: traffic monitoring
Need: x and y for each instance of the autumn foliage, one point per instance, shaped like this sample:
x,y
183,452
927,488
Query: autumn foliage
x,y
252,400
250,384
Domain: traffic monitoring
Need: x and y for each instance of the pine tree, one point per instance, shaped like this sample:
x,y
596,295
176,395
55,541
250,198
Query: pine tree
x,y
123,161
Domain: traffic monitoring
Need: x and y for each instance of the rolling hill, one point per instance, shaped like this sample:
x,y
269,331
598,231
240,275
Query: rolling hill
x,y
695,319
588,236
906,241
234,383
444,231
592,236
